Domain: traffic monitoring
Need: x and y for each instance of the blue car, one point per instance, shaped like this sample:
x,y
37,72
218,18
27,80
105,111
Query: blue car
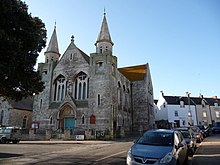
x,y
165,147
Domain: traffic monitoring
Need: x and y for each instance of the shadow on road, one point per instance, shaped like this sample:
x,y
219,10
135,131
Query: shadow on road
x,y
8,155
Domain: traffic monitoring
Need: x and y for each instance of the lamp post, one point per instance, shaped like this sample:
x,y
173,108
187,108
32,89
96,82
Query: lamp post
x,y
189,110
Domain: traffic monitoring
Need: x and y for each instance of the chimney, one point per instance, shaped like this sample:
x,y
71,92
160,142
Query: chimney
x,y
200,96
187,94
214,97
161,92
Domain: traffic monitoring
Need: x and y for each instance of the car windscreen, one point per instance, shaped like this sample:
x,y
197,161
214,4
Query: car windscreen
x,y
185,134
156,138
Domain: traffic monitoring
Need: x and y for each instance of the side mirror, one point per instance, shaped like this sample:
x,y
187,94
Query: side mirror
x,y
135,141
179,146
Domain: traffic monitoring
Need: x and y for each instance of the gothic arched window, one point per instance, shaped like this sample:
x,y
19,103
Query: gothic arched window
x,y
83,119
60,88
81,86
24,123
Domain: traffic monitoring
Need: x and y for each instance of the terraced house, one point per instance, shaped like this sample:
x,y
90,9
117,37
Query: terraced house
x,y
89,95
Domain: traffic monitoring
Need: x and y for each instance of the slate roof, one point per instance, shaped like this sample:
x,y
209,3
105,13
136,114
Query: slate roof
x,y
175,100
24,104
134,73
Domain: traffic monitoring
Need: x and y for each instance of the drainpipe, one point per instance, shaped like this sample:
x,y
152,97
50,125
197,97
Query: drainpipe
x,y
132,113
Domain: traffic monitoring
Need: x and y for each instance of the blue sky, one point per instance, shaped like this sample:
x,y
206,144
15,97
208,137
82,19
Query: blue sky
x,y
180,39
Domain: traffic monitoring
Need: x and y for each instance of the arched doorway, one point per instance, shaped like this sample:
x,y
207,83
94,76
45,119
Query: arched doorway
x,y
66,118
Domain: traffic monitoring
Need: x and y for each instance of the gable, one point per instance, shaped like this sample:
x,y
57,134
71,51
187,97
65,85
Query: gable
x,y
73,57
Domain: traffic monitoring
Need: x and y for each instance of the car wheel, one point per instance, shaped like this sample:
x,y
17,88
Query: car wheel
x,y
3,140
15,142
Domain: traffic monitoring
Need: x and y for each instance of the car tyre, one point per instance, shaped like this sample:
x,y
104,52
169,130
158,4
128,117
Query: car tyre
x,y
3,140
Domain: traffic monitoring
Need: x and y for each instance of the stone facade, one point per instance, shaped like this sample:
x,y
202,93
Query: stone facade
x,y
90,95
16,113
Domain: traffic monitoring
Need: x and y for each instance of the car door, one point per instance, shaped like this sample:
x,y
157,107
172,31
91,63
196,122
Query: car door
x,y
181,147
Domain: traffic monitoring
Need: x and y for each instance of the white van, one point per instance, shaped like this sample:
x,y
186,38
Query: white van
x,y
10,134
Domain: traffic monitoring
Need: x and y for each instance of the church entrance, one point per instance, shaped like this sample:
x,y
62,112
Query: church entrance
x,y
66,119
69,123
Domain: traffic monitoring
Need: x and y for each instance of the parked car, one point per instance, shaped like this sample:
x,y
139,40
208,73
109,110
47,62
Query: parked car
x,y
205,130
216,128
10,134
189,138
160,146
197,133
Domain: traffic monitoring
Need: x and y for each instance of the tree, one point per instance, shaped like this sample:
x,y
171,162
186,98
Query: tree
x,y
22,37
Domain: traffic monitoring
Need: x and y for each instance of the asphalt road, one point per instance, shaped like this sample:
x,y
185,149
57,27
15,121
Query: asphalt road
x,y
80,153
69,152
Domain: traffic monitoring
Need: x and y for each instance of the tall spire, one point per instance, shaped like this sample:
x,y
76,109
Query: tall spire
x,y
52,53
104,34
104,39
53,44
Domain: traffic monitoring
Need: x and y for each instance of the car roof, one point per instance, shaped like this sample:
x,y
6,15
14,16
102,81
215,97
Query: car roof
x,y
162,130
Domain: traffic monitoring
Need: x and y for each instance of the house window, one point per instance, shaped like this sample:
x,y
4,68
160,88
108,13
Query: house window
x,y
100,49
81,86
24,123
217,114
204,114
60,88
189,114
184,122
176,113
182,104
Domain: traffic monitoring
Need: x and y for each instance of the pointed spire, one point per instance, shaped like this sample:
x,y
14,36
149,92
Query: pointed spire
x,y
53,44
104,34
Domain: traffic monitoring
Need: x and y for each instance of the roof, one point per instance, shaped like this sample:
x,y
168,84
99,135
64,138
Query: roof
x,y
85,56
24,104
134,73
53,44
175,100
104,34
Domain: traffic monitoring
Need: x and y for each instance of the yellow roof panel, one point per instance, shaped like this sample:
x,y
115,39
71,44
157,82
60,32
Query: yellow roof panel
x,y
134,73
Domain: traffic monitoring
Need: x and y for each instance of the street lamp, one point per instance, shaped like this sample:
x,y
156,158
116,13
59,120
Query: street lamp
x,y
189,110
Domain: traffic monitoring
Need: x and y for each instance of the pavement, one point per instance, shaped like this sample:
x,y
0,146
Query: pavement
x,y
208,152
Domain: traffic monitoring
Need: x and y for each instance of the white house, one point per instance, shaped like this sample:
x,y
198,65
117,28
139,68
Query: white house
x,y
177,110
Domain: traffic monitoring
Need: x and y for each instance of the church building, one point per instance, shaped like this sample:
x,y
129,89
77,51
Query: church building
x,y
89,95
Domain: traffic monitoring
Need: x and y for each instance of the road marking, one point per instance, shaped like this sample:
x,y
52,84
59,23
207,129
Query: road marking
x,y
110,156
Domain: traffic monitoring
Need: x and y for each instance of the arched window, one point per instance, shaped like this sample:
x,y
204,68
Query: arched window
x,y
24,123
81,86
60,88
1,119
51,120
83,119
99,100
